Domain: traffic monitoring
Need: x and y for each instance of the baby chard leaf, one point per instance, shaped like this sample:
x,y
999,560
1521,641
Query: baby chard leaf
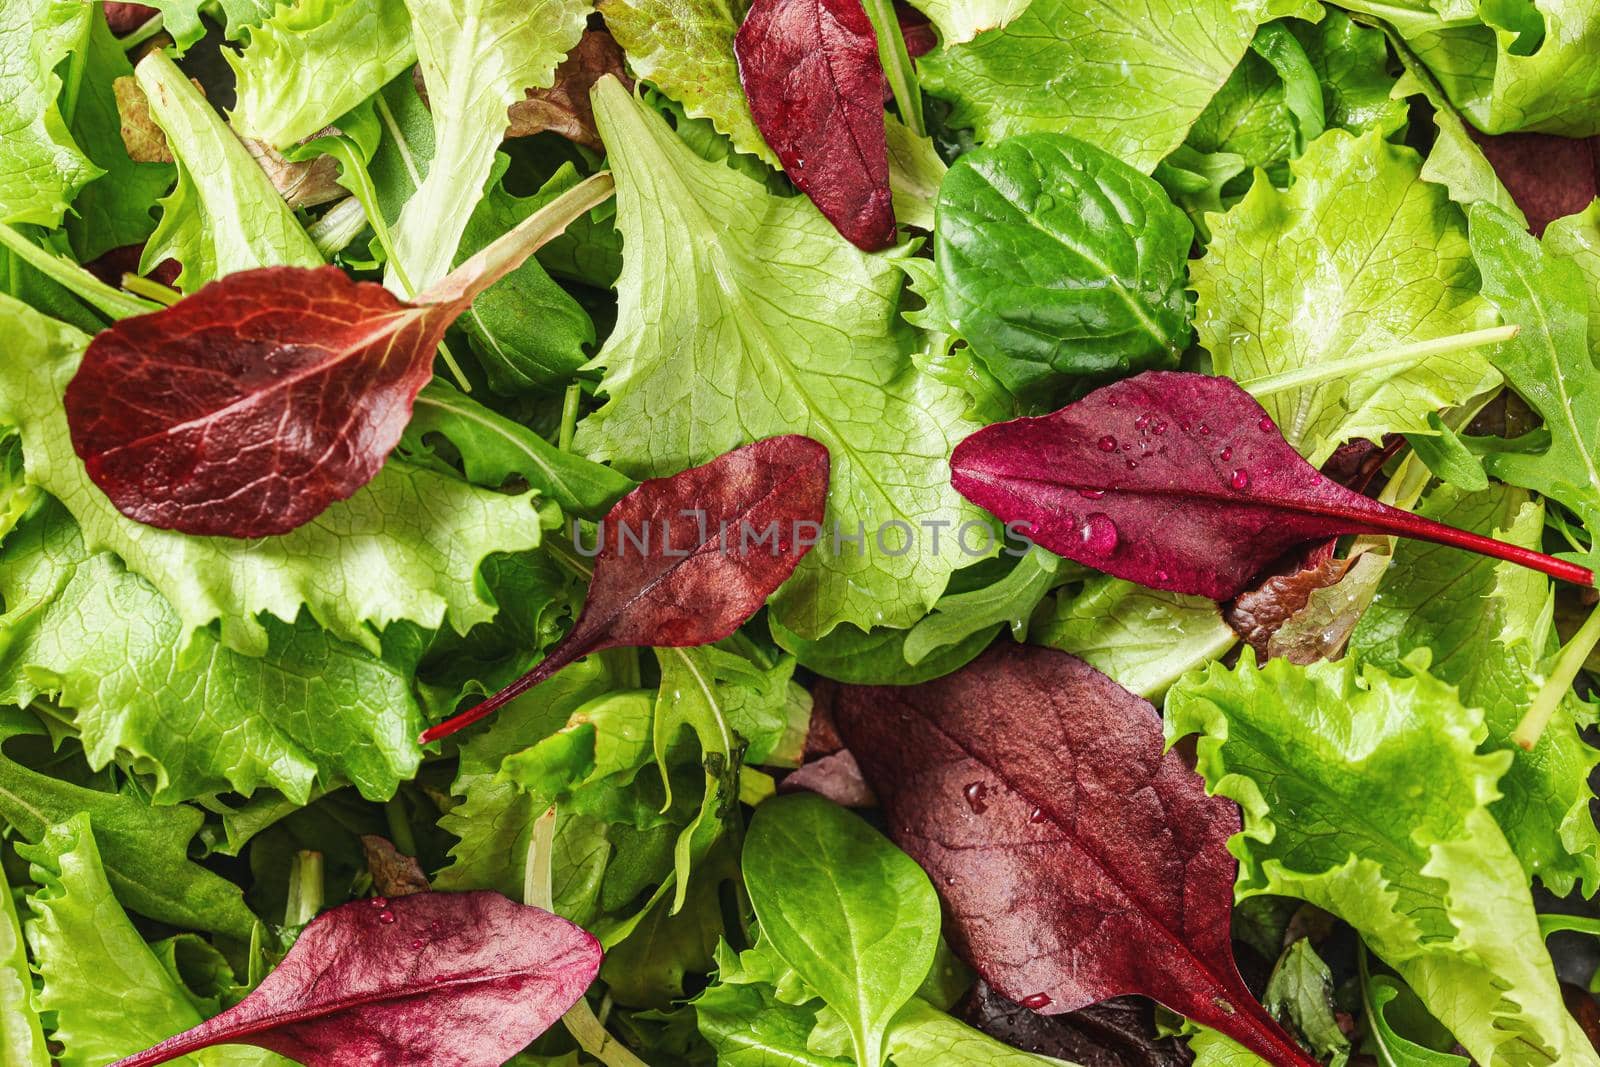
x,y
1181,481
811,72
686,560
1077,861
248,408
455,980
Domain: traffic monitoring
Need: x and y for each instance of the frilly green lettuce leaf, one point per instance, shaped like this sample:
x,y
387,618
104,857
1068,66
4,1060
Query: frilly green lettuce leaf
x,y
109,995
41,168
181,18
314,60
109,647
1359,256
1131,79
1487,627
959,21
1364,794
224,215
685,48
478,57
744,315
21,1036
407,546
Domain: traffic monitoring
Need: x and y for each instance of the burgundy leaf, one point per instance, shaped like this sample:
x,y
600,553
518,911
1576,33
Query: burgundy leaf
x,y
125,18
246,409
916,30
112,265
1547,176
1113,1033
685,560
445,979
835,776
1257,614
810,70
1180,481
1077,860
564,107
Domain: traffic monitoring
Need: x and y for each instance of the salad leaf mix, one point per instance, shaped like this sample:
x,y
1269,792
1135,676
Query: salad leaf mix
x,y
959,533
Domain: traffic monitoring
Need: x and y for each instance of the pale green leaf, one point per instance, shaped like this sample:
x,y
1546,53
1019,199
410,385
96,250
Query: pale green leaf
x,y
21,1036
1577,237
915,171
181,18
744,315
959,21
41,168
1358,257
478,57
406,546
313,61
685,48
224,215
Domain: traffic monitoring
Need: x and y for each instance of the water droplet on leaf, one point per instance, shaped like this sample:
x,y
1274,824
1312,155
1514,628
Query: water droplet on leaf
x,y
1240,479
975,793
386,917
1108,443
1036,1001
1099,534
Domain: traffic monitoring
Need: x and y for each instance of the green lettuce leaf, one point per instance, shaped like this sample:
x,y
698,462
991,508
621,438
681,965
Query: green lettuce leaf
x,y
1144,638
1358,257
108,646
685,48
1487,627
1130,79
1364,794
407,546
224,215
109,994
146,849
314,60
21,1035
1011,601
117,208
1300,990
181,18
478,57
745,315
1577,237
1550,363
959,21
41,168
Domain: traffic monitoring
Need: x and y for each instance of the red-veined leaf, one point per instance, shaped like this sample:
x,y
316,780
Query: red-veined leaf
x,y
1077,860
246,409
810,70
686,560
1180,481
446,979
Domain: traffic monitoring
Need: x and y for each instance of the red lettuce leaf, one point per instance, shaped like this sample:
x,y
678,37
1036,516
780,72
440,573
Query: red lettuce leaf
x,y
247,408
1113,1033
1077,860
450,980
125,18
811,73
1548,176
1180,481
682,561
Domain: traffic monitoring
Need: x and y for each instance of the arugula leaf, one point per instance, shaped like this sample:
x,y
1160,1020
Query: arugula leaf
x,y
686,48
108,646
1145,639
1059,261
21,1036
1577,237
116,208
146,849
1551,363
1360,256
959,21
1363,793
1301,989
1488,628
1131,80
852,914
477,59
1393,1050
41,169
314,60
224,215
1010,601
702,360
109,995
407,546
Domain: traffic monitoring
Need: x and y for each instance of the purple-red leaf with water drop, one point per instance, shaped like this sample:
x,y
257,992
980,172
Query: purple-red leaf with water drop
x,y
686,560
446,979
1180,481
811,72
1077,860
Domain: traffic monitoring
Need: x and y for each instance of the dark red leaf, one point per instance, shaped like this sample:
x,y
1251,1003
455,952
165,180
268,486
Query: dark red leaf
x,y
682,560
1547,176
1257,614
125,18
810,70
246,409
915,30
445,979
835,776
1113,1033
1077,860
111,266
1180,481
